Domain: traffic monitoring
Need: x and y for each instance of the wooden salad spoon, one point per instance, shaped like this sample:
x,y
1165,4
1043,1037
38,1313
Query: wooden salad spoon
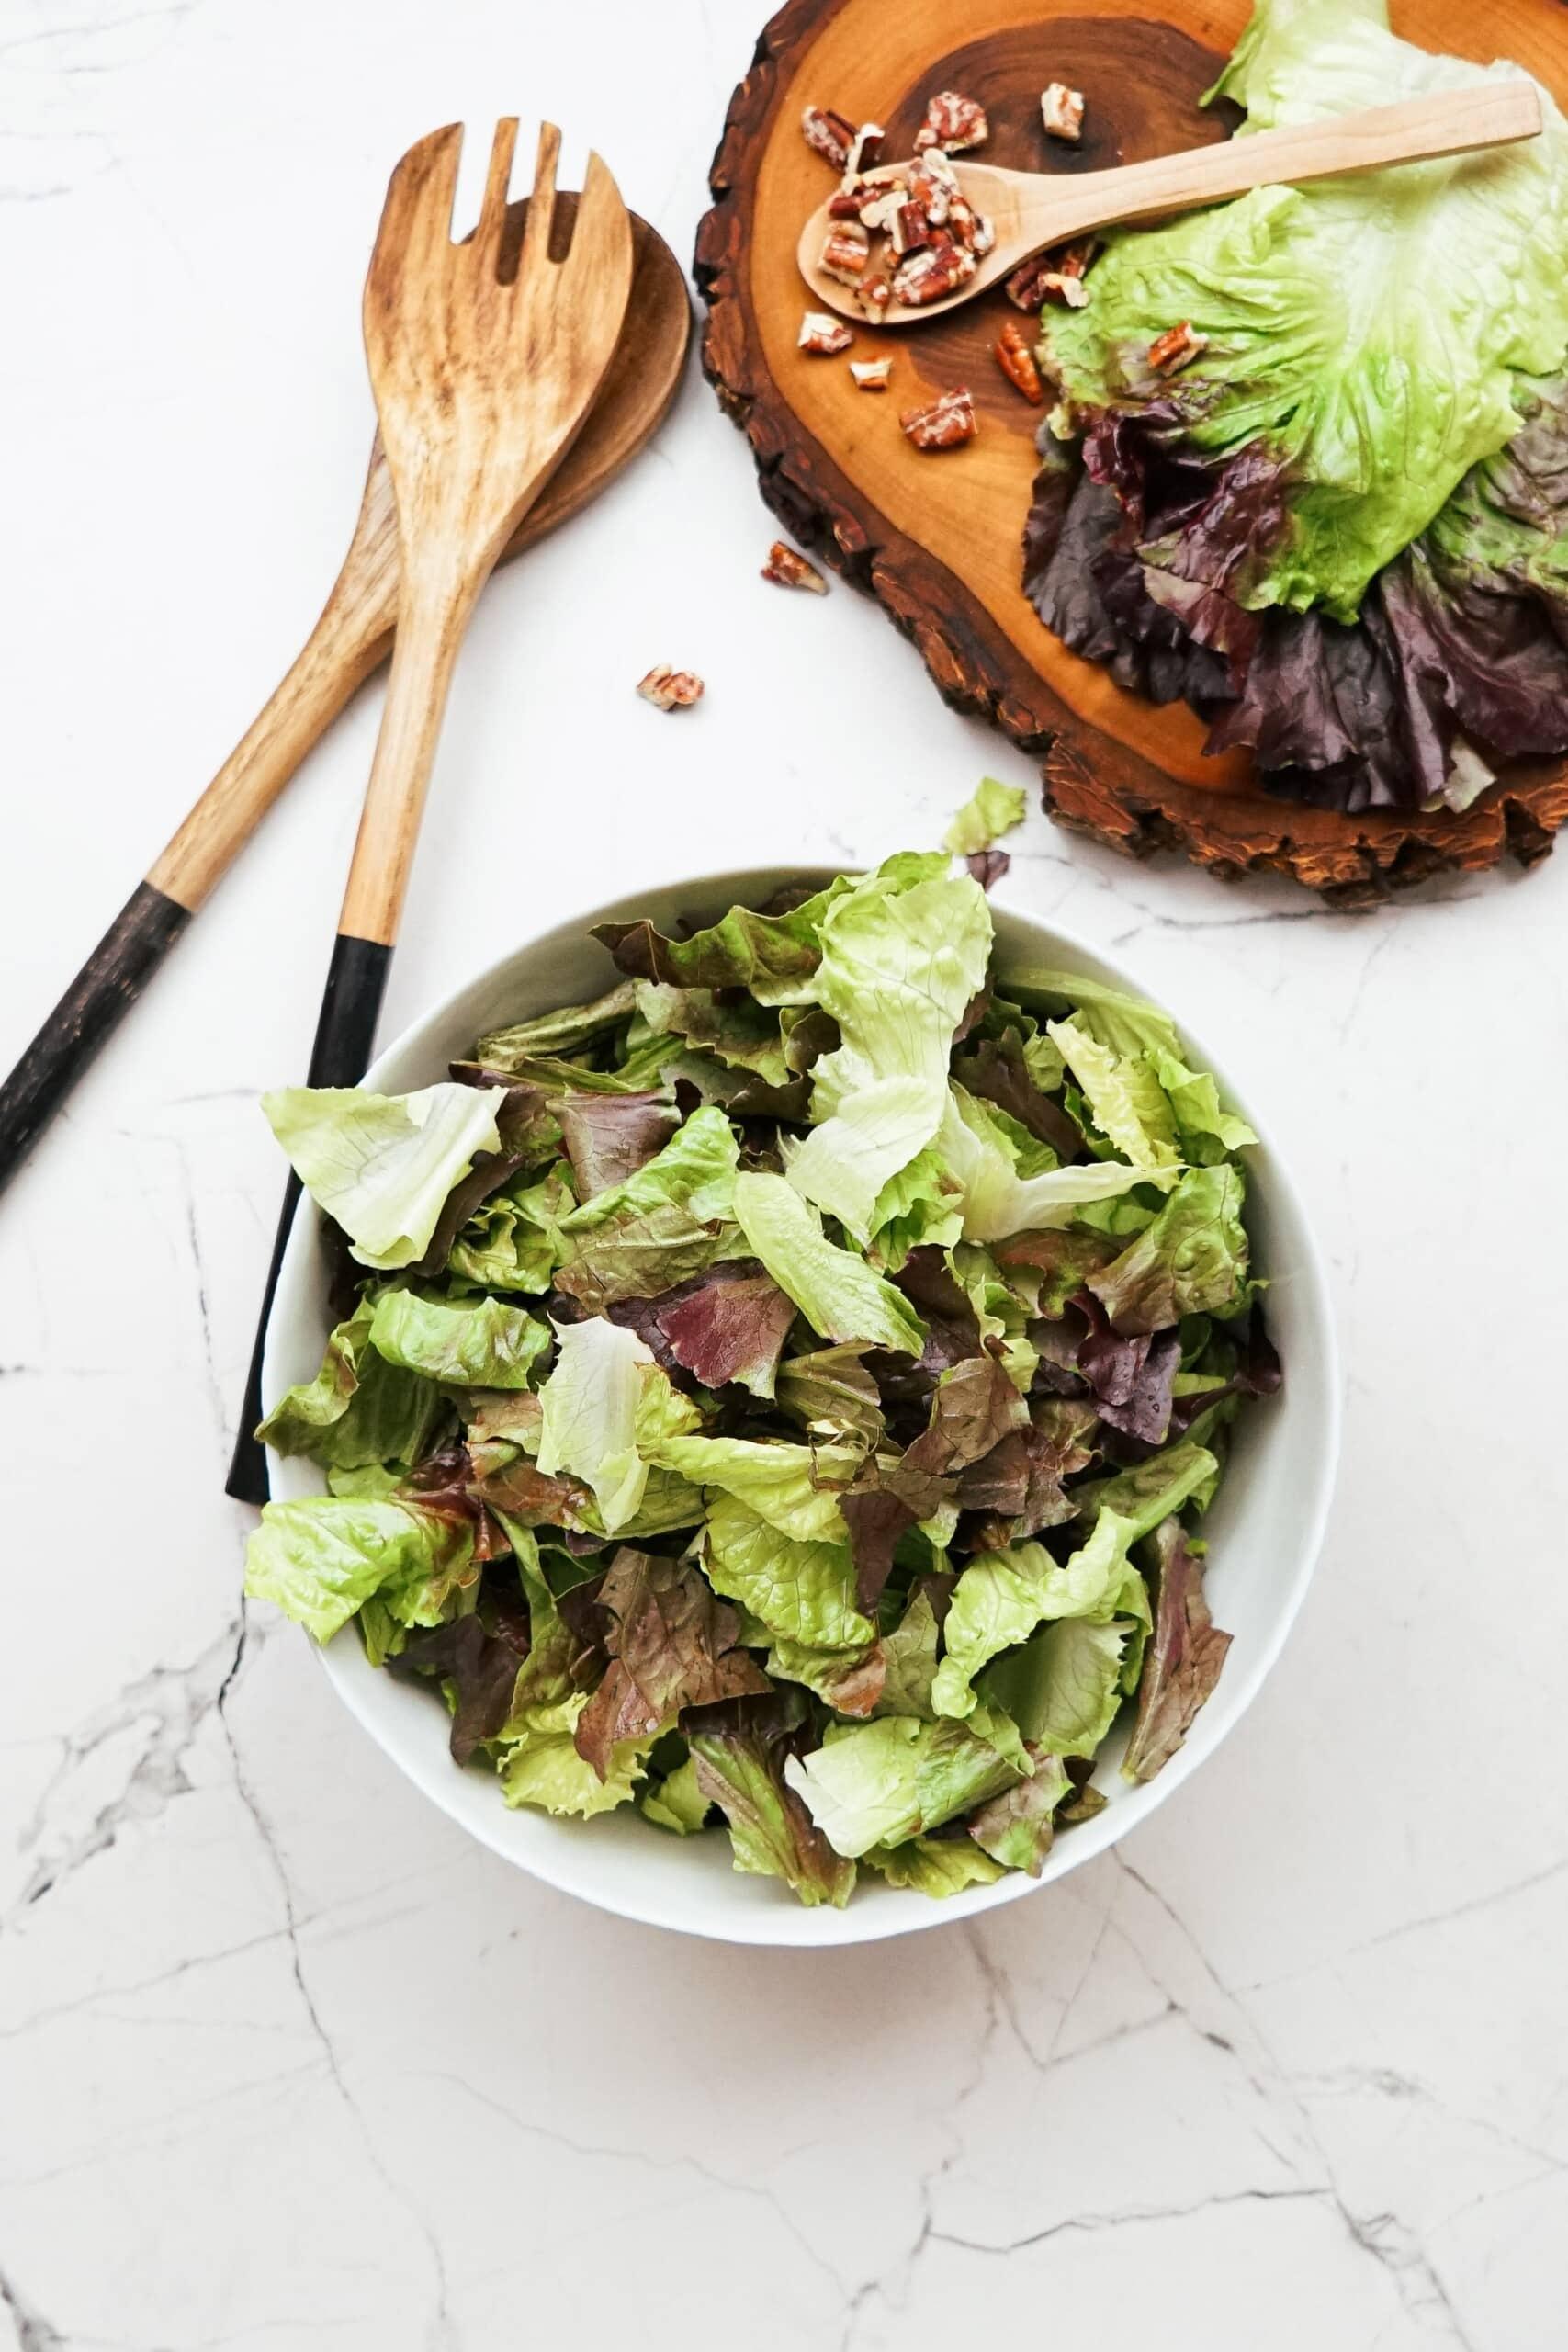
x,y
485,361
350,640
1034,210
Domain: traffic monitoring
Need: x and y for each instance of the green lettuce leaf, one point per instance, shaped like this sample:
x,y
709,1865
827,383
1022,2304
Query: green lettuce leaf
x,y
1002,1595
545,1770
513,1242
899,968
381,1165
320,1557
920,1208
741,1753
840,1296
1125,1099
1128,1025
1152,1489
735,1029
908,1652
677,1801
998,1201
360,1410
474,1343
555,1033
774,956
993,809
878,1783
831,1395
800,1591
1016,1828
644,1253
1365,335
793,1488
936,1866
1191,1261
693,1172
1064,1686
606,1410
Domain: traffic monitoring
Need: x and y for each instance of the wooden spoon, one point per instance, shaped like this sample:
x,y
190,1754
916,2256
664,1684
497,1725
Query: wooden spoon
x,y
1034,210
485,361
351,640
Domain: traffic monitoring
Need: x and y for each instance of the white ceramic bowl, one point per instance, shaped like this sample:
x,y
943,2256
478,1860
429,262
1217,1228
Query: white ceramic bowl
x,y
1265,1528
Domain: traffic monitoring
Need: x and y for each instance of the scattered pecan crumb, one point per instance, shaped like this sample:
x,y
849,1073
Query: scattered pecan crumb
x,y
668,689
827,135
871,374
951,121
1177,349
1061,110
946,424
790,569
822,334
1017,363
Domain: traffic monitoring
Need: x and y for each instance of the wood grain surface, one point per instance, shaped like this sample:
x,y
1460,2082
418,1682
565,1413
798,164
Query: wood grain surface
x,y
936,539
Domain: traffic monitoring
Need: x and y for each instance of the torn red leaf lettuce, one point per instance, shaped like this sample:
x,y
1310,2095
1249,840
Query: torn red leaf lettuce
x,y
609,1137
1184,1657
728,1324
672,1644
1459,660
739,1748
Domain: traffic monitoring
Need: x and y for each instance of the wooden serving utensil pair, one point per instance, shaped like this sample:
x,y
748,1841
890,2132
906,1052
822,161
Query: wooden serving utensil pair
x,y
351,640
485,360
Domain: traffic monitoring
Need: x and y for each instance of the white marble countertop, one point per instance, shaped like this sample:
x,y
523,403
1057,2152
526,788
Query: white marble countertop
x,y
284,2059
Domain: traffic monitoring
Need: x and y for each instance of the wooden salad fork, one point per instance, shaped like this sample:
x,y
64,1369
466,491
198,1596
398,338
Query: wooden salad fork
x,y
485,360
1031,211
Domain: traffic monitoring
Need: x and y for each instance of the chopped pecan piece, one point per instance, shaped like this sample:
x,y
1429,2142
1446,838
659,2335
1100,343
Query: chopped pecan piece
x,y
866,150
829,135
880,205
1177,349
1061,110
792,570
844,256
668,689
946,424
846,202
961,220
1051,277
1026,287
931,191
875,294
932,273
910,229
823,335
983,235
871,374
952,122
1017,363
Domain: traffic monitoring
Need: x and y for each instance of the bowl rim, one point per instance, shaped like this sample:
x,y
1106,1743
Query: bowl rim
x,y
823,1928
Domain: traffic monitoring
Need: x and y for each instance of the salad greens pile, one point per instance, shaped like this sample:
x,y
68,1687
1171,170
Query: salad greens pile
x,y
785,1390
1342,532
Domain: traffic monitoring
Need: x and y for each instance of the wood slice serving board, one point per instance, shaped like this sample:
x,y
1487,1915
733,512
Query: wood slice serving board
x,y
937,540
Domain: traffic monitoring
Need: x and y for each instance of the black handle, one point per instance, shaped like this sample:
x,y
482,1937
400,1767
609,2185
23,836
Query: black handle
x,y
89,1012
356,981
